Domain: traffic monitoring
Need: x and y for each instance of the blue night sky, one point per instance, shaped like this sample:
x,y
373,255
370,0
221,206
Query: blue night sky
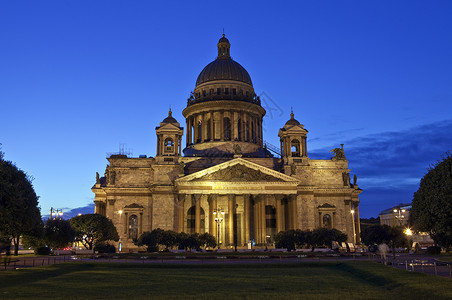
x,y
79,78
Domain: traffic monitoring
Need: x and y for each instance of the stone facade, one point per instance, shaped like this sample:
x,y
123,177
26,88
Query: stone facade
x,y
227,169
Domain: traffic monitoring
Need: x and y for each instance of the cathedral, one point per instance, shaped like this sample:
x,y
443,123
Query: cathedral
x,y
226,181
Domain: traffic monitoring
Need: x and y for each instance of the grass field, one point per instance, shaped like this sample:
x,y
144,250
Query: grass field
x,y
347,280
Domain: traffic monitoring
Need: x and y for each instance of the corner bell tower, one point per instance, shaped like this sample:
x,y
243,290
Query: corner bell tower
x,y
293,140
169,137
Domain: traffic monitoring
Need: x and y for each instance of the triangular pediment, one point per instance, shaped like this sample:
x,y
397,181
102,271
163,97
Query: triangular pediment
x,y
238,170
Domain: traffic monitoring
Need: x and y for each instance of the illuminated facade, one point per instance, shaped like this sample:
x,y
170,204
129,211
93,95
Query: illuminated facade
x,y
226,167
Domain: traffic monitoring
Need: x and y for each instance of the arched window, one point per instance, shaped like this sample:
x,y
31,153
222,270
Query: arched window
x,y
227,129
191,220
327,221
169,145
133,227
295,148
253,132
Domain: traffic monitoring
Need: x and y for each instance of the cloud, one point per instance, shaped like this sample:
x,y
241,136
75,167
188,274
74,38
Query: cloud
x,y
390,165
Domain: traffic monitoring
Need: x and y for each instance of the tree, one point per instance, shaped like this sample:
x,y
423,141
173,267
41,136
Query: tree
x,y
188,241
58,233
432,203
151,239
207,240
379,234
323,237
168,239
19,212
286,239
91,229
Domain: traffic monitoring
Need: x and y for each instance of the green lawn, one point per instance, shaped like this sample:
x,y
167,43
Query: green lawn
x,y
347,280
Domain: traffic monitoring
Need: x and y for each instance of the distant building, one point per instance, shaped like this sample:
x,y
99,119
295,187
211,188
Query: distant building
x,y
227,170
399,216
395,216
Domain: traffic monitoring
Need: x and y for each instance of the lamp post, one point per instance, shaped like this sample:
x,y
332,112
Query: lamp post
x,y
218,214
398,215
55,213
354,230
119,225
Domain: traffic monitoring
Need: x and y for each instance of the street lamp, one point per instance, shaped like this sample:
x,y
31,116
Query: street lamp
x,y
354,230
56,212
398,214
218,214
119,225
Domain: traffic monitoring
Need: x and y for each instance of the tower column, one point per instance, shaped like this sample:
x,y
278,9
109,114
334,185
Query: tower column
x,y
195,129
221,125
212,132
242,126
203,127
233,126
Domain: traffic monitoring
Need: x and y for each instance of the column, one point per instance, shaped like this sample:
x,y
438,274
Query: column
x,y
263,220
212,132
181,213
231,210
357,223
246,202
126,226
195,129
233,127
188,131
176,145
203,127
214,227
305,148
289,214
294,212
256,220
278,215
180,145
197,213
242,126
140,224
221,125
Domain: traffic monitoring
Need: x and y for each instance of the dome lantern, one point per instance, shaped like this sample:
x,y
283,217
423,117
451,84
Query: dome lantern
x,y
224,48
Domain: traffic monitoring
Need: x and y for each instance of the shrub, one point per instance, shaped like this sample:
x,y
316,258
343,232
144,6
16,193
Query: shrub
x,y
105,248
43,251
434,250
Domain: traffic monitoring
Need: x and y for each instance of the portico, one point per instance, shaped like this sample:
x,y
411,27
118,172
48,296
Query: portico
x,y
258,202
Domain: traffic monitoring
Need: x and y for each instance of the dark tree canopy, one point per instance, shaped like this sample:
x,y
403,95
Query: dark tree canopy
x,y
432,203
91,229
19,212
378,234
58,233
321,237
169,239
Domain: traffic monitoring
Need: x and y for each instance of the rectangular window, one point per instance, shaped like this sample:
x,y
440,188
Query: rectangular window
x,y
218,91
234,91
226,91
